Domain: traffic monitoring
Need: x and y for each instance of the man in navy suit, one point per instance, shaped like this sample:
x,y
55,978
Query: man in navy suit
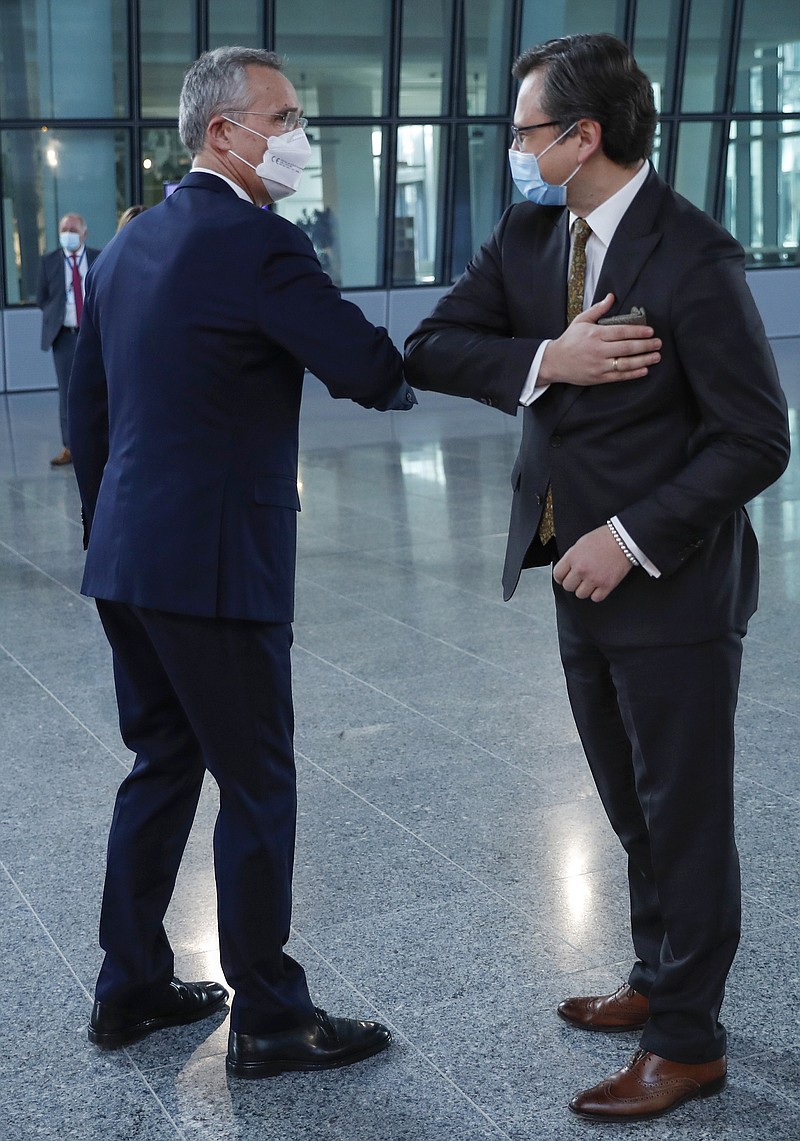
x,y
641,443
184,402
61,272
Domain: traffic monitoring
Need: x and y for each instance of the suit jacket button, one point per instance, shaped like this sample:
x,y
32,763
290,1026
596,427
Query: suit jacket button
x,y
555,441
539,500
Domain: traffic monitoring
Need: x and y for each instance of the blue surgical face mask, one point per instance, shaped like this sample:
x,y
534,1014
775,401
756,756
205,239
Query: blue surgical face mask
x,y
69,241
528,177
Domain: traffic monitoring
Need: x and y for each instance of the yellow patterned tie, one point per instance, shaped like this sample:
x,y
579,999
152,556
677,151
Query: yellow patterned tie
x,y
576,283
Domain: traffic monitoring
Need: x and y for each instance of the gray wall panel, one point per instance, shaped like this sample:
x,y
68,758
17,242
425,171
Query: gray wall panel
x,y
372,304
777,295
407,307
26,365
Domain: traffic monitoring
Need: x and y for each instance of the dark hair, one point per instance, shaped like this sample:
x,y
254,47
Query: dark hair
x,y
596,77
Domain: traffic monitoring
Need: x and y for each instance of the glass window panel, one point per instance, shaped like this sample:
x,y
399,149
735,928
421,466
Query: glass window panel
x,y
426,47
238,22
762,190
660,146
338,203
343,70
63,61
417,205
654,46
710,26
544,20
487,40
164,160
696,166
168,45
49,173
481,163
768,70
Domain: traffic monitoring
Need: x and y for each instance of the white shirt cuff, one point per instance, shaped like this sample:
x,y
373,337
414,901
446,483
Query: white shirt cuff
x,y
529,390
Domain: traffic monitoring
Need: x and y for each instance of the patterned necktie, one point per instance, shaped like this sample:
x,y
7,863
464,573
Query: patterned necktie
x,y
77,290
576,283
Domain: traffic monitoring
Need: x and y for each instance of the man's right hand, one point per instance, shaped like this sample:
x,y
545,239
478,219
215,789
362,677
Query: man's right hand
x,y
402,399
588,353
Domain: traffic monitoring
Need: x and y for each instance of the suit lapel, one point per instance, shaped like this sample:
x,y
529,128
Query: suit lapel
x,y
57,269
550,265
634,241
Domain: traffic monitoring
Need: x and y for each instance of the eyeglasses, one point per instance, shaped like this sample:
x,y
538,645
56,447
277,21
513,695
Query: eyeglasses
x,y
518,133
289,120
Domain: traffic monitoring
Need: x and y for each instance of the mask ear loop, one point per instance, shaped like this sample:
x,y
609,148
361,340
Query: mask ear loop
x,y
244,160
252,132
563,135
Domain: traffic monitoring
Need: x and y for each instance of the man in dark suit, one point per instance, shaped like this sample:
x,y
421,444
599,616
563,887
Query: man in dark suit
x,y
184,405
641,443
59,295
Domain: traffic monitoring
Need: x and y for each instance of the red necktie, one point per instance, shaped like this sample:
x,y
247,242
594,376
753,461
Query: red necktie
x,y
77,290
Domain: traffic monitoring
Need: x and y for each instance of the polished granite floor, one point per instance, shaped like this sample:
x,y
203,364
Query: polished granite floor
x,y
456,876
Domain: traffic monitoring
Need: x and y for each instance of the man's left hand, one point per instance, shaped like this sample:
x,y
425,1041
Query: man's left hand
x,y
593,566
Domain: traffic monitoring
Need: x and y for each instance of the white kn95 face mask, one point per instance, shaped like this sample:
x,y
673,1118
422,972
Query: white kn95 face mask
x,y
283,163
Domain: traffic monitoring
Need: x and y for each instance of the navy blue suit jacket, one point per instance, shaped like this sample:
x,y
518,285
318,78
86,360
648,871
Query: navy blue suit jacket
x,y
675,455
184,401
51,292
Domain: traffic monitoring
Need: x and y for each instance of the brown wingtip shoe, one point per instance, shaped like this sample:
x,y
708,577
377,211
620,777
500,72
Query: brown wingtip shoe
x,y
63,457
625,1009
649,1086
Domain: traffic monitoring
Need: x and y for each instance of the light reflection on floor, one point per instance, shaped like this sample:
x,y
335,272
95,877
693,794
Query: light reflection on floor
x,y
455,874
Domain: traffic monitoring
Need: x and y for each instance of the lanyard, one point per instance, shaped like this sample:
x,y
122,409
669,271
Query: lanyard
x,y
78,261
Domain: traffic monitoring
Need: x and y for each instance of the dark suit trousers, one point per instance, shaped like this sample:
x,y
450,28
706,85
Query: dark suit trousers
x,y
197,694
63,356
656,723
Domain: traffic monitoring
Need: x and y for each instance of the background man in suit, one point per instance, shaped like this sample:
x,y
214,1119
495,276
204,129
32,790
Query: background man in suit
x,y
184,405
59,295
640,446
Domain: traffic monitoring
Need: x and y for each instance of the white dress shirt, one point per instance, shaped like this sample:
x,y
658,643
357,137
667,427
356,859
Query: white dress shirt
x,y
70,312
603,223
233,185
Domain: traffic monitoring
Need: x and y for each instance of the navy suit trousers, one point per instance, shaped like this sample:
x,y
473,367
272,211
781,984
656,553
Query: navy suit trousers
x,y
199,694
63,355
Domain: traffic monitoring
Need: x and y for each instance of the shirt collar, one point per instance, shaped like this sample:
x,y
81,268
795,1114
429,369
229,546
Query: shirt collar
x,y
234,186
608,215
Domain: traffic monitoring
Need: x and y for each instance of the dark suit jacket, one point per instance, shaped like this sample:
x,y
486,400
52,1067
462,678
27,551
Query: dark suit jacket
x,y
675,455
51,294
185,397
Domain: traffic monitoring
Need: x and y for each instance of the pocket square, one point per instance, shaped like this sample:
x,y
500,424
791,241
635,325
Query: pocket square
x,y
636,316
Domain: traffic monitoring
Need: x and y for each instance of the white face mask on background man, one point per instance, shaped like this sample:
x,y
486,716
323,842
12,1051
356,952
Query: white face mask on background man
x,y
69,241
283,163
528,177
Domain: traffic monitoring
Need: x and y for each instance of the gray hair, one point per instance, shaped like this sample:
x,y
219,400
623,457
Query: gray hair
x,y
217,82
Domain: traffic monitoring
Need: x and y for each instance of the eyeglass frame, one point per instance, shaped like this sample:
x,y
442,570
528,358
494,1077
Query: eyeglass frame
x,y
516,132
298,120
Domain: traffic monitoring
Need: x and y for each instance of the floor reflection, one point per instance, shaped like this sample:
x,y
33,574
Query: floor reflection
x,y
455,872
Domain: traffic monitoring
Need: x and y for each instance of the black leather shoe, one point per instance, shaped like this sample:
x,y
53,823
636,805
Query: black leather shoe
x,y
323,1044
113,1026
